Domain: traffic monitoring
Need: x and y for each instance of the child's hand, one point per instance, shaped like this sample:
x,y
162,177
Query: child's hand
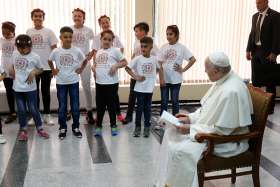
x,y
30,77
139,78
178,68
162,83
113,70
55,72
79,70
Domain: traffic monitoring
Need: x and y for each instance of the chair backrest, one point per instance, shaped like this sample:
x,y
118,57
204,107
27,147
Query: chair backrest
x,y
261,104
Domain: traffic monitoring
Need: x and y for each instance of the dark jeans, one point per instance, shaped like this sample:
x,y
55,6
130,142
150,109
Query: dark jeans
x,y
62,95
29,99
8,83
45,79
131,99
106,98
174,92
1,126
144,102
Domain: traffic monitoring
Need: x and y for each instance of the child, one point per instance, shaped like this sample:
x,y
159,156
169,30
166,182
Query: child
x,y
7,45
141,30
68,67
145,68
26,66
107,62
2,138
171,56
44,41
81,38
105,24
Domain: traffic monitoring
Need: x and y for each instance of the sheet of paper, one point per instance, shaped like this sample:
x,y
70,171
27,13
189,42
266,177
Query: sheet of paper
x,y
169,119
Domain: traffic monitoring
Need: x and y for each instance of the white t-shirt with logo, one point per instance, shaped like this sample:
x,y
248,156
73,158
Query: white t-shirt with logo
x,y
171,55
105,59
67,61
96,43
82,37
137,49
23,65
42,40
7,48
146,67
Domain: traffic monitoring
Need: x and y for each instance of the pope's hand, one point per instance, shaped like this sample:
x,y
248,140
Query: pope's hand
x,y
183,129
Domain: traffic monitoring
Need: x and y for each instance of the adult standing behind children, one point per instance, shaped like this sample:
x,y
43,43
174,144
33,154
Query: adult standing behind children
x,y
44,41
82,35
171,56
141,30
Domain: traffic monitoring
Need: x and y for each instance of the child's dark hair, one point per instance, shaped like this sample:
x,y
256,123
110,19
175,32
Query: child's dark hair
x,y
147,40
80,10
23,41
66,29
142,26
9,26
107,32
37,10
174,29
101,17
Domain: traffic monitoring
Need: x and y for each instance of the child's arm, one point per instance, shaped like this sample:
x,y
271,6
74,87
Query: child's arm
x,y
33,74
133,75
160,74
179,68
116,66
93,69
54,70
84,63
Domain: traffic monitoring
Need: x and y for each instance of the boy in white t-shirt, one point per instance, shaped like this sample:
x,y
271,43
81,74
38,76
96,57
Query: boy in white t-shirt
x,y
70,62
171,56
2,138
105,68
81,38
26,66
144,72
7,46
44,41
141,30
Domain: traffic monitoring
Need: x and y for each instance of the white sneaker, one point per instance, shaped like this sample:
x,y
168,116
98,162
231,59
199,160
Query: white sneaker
x,y
48,120
31,122
2,139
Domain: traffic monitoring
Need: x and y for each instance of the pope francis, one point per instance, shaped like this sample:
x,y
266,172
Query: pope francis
x,y
225,109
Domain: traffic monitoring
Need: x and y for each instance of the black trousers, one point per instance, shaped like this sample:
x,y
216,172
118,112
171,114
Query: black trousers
x,y
118,108
259,58
45,79
106,99
8,83
1,126
131,99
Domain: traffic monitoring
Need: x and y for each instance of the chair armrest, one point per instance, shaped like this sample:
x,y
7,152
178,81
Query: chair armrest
x,y
200,137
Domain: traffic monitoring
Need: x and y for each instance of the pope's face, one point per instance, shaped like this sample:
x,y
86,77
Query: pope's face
x,y
212,73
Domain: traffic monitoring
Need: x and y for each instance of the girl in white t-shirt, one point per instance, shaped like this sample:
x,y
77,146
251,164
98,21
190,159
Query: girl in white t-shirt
x,y
26,66
171,56
7,46
82,38
105,24
2,138
105,68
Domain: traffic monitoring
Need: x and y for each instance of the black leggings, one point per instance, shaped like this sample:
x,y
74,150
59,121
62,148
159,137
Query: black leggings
x,y
45,79
8,83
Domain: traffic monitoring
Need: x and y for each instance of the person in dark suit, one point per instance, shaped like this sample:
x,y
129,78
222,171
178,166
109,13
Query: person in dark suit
x,y
263,44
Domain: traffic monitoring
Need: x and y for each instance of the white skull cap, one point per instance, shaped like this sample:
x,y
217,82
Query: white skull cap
x,y
219,59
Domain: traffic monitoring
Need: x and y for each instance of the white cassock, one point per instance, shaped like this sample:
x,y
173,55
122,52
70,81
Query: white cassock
x,y
226,110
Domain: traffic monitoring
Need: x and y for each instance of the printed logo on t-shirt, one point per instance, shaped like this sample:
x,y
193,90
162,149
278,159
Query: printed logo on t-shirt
x,y
37,41
170,55
147,69
78,38
102,59
66,60
7,49
21,64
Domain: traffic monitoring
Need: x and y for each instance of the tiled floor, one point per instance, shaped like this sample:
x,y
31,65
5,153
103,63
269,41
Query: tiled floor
x,y
121,161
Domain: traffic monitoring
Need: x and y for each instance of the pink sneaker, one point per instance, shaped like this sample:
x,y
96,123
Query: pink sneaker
x,y
43,134
22,135
120,118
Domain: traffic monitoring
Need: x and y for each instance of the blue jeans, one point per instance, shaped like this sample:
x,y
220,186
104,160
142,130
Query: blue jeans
x,y
174,91
62,93
144,102
29,99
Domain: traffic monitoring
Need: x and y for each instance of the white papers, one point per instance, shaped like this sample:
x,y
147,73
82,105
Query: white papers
x,y
169,119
